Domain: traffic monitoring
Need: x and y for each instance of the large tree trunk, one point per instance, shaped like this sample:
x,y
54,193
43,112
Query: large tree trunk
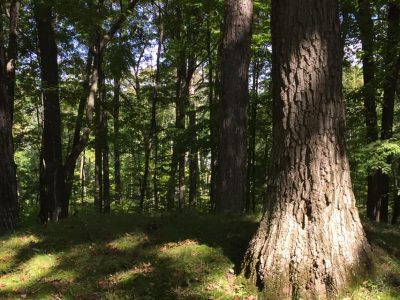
x,y
8,179
232,147
52,179
310,243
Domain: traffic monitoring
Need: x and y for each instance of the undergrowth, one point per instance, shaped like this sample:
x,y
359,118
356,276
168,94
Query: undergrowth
x,y
179,256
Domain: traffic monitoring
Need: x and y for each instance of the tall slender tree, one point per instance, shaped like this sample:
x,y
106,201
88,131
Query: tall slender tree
x,y
12,52
310,243
390,84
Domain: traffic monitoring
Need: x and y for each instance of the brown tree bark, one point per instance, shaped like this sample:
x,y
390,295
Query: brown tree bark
x,y
234,98
8,179
52,178
310,243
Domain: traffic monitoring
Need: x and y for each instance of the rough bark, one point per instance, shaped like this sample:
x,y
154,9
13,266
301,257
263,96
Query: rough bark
x,y
52,179
8,179
310,243
234,98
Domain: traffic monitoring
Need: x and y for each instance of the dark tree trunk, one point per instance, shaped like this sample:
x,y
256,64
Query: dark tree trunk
x,y
234,98
12,53
52,179
213,124
250,195
193,159
366,27
396,194
172,179
78,142
392,67
310,243
8,179
106,170
82,177
154,111
143,187
98,132
117,150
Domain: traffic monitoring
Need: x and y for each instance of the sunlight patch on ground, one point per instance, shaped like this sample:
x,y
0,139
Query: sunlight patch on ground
x,y
28,272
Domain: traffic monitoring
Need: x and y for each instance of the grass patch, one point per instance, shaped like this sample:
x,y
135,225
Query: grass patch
x,y
182,256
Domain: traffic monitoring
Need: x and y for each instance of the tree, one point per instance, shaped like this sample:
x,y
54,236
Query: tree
x,y
392,68
310,242
234,98
8,179
366,26
51,166
12,53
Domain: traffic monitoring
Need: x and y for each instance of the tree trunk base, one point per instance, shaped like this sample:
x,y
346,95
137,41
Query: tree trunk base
x,y
310,259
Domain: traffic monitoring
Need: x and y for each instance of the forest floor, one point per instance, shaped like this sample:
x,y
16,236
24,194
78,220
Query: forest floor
x,y
184,256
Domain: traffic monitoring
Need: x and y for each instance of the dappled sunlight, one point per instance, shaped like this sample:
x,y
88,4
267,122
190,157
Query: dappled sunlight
x,y
127,242
29,272
177,257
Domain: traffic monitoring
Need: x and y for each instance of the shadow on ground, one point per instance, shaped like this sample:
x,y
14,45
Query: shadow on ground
x,y
184,256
